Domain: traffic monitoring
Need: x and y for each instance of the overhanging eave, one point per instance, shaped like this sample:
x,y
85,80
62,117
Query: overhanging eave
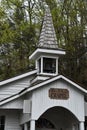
x,y
40,51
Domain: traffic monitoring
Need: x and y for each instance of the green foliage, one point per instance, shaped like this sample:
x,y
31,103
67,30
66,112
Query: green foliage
x,y
20,24
18,37
70,22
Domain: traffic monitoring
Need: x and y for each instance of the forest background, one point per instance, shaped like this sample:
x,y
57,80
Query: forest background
x,y
20,27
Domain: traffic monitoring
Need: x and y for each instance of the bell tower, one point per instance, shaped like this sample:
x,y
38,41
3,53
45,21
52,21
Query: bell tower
x,y
47,53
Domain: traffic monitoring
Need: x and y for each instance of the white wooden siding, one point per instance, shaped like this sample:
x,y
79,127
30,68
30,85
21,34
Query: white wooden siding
x,y
15,104
14,87
11,119
18,103
41,101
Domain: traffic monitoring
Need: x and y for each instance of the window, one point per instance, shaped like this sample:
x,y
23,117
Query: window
x,y
2,122
46,65
49,65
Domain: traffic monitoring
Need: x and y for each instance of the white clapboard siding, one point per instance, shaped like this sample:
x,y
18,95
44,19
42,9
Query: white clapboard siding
x,y
41,101
11,119
13,88
14,104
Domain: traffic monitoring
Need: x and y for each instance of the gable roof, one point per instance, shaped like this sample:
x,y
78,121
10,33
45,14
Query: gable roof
x,y
17,77
31,88
54,79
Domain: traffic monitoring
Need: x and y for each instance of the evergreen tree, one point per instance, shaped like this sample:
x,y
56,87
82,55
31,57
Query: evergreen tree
x,y
70,21
20,23
22,19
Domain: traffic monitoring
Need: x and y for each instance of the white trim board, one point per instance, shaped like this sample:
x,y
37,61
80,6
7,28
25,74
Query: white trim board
x,y
48,51
54,79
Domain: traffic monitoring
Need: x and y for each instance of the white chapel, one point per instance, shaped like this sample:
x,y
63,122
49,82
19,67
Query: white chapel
x,y
42,99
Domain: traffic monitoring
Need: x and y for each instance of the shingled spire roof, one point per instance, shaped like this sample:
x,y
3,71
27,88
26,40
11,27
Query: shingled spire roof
x,y
48,36
47,42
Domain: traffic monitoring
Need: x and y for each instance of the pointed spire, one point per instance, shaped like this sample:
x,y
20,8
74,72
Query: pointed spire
x,y
48,36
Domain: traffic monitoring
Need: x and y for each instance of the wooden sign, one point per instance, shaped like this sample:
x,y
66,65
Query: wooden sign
x,y
58,93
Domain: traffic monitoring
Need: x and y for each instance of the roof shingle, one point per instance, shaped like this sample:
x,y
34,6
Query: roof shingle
x,y
48,36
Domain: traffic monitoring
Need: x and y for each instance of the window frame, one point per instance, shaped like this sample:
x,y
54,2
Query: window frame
x,y
41,69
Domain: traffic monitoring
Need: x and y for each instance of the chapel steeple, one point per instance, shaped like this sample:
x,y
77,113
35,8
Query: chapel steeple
x,y
48,36
47,53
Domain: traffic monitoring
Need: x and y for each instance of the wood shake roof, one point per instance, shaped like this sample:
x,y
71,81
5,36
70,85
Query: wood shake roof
x,y
48,36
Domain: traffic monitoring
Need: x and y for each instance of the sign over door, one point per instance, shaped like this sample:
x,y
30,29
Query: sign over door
x,y
58,93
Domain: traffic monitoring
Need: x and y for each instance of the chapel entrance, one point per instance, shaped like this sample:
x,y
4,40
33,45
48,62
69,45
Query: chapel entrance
x,y
57,118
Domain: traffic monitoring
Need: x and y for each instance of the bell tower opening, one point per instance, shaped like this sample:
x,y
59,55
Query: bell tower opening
x,y
47,65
